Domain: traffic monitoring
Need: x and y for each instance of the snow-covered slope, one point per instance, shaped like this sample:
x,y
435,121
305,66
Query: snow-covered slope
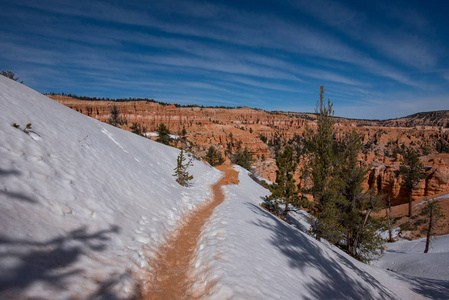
x,y
253,255
81,200
408,257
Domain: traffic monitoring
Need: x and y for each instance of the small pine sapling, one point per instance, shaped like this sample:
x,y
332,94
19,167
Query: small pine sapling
x,y
26,129
182,176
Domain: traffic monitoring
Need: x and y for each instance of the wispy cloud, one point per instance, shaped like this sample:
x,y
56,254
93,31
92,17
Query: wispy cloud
x,y
271,57
390,39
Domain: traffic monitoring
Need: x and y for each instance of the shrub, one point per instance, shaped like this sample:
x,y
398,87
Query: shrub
x,y
10,75
213,157
244,159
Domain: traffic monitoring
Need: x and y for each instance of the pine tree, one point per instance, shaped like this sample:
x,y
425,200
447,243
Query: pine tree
x,y
182,176
114,116
244,159
323,170
434,214
358,204
213,157
284,191
184,131
164,134
138,129
412,172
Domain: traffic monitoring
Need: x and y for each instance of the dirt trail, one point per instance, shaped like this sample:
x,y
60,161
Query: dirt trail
x,y
169,278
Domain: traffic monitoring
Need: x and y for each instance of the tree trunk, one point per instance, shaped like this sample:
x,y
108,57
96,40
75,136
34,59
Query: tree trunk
x,y
429,230
359,233
388,211
410,196
350,240
317,231
285,212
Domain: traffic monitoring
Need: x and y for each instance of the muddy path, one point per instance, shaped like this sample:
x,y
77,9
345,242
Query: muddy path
x,y
168,279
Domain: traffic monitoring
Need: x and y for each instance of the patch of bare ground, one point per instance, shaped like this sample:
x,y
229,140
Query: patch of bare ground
x,y
415,227
169,278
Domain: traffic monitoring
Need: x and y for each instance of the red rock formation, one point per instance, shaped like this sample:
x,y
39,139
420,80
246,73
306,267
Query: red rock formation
x,y
231,130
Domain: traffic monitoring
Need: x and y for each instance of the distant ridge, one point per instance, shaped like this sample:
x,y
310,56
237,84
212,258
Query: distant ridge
x,y
430,118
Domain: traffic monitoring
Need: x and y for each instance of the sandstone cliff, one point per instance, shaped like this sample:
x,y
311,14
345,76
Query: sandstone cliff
x,y
231,130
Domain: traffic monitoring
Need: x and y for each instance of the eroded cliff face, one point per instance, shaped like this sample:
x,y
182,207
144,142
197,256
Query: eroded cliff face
x,y
384,177
231,130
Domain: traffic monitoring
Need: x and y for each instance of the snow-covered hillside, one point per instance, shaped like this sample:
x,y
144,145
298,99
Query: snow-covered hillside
x,y
261,257
81,202
408,257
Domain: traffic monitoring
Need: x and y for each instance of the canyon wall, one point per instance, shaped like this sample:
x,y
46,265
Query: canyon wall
x,y
231,130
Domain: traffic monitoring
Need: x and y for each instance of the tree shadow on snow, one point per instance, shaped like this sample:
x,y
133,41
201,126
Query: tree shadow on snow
x,y
332,282
27,262
11,194
430,288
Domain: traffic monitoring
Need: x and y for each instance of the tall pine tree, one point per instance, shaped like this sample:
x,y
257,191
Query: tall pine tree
x,y
362,238
323,172
412,172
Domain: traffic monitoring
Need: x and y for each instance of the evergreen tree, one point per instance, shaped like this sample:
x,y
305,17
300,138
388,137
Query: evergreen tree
x,y
368,240
114,116
213,157
138,129
434,214
182,176
353,176
284,191
244,159
164,134
184,137
298,145
324,172
362,229
412,172
184,131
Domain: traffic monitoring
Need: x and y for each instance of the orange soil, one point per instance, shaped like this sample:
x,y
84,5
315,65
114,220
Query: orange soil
x,y
169,279
417,224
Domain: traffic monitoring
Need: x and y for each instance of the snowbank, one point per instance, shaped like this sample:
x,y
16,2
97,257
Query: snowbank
x,y
80,200
408,257
246,253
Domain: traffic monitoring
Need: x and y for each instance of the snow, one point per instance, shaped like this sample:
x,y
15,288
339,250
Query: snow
x,y
408,257
81,201
251,254
149,134
431,199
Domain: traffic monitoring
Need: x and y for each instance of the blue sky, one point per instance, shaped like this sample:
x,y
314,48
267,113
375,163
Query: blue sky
x,y
376,59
